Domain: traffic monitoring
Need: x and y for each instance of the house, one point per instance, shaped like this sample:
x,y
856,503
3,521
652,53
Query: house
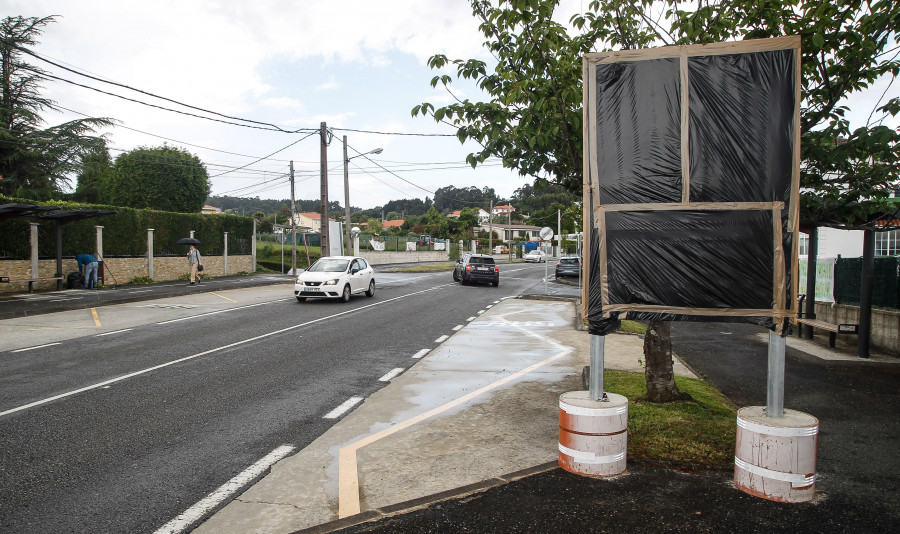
x,y
207,209
513,231
482,215
503,211
394,223
310,219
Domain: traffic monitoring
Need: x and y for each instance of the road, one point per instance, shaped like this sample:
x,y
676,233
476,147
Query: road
x,y
119,419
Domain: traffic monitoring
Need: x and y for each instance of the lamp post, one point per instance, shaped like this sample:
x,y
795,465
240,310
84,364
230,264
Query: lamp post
x,y
347,194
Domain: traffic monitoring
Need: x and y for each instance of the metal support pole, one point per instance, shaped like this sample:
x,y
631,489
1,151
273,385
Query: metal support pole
x,y
323,170
225,256
595,391
865,294
59,270
253,249
813,253
775,385
35,263
150,252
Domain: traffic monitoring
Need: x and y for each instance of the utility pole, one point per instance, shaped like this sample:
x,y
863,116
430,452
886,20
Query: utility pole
x,y
323,157
347,201
491,229
559,233
293,225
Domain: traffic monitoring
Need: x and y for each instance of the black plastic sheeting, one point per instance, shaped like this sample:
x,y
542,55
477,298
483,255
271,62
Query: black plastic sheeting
x,y
741,112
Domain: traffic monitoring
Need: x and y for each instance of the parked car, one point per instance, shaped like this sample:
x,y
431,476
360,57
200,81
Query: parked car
x,y
476,268
535,256
570,266
336,277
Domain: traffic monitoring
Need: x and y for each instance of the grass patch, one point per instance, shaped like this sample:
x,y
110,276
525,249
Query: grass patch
x,y
425,268
633,327
700,432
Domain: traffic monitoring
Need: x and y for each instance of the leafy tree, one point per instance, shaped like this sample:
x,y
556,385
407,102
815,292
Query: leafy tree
x,y
392,215
163,178
95,167
374,226
532,118
35,161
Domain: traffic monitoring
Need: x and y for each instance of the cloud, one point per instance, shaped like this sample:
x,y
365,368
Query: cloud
x,y
330,85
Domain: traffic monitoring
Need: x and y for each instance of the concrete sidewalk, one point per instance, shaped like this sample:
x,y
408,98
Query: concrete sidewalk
x,y
482,404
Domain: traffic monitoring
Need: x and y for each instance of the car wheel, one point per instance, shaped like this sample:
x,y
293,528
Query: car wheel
x,y
371,291
301,299
496,283
455,276
463,281
345,296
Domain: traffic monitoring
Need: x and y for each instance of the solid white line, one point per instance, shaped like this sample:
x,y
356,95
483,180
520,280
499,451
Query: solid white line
x,y
116,332
140,291
345,407
211,501
471,318
61,300
392,374
32,348
441,339
204,353
421,353
458,327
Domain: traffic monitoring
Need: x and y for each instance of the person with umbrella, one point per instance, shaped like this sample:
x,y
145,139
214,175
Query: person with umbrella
x,y
193,256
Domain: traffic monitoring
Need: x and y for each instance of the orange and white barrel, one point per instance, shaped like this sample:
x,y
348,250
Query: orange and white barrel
x,y
775,457
593,435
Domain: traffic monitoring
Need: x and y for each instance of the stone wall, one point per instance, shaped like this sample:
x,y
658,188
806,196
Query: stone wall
x,y
885,335
119,270
383,258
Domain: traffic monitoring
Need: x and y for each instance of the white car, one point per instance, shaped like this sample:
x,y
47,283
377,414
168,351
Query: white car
x,y
336,277
535,256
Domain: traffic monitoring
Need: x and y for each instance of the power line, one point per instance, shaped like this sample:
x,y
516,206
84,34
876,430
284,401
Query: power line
x,y
272,154
392,133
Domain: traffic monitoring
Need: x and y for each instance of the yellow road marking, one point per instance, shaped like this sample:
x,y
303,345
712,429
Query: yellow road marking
x,y
348,477
96,319
218,295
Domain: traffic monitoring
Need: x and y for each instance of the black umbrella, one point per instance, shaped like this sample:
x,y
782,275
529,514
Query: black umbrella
x,y
188,241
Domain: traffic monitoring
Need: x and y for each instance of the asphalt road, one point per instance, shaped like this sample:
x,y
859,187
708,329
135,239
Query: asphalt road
x,y
122,427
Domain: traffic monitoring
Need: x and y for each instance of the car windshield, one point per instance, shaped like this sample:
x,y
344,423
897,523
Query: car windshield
x,y
569,261
483,261
534,253
328,265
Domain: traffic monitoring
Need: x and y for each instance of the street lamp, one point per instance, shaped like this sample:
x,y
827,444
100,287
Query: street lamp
x,y
347,193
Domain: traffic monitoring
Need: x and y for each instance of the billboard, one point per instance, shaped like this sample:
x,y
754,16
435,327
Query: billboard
x,y
691,183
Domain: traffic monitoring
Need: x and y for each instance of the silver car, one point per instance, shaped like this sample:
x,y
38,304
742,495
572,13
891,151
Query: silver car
x,y
336,277
535,256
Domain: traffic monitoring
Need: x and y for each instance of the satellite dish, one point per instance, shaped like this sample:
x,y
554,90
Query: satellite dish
x,y
354,232
546,233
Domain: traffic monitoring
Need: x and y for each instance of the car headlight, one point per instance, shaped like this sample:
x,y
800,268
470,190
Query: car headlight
x,y
330,283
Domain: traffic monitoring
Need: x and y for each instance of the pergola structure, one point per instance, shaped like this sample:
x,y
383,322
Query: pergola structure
x,y
51,213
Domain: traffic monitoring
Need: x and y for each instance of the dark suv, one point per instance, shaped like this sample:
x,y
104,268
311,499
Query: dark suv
x,y
570,266
476,268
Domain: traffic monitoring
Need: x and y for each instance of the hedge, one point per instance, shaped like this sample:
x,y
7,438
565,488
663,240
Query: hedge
x,y
125,232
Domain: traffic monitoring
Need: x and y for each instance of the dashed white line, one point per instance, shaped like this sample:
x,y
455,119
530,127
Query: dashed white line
x,y
115,332
458,327
345,407
211,501
38,347
421,353
481,311
391,375
441,339
471,318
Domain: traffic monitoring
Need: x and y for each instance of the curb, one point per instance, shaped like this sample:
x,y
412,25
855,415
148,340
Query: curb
x,y
428,500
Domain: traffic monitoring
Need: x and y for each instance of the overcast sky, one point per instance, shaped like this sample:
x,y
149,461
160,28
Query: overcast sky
x,y
355,64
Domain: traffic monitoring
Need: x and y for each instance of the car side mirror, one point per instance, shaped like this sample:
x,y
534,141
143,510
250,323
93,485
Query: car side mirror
x,y
354,270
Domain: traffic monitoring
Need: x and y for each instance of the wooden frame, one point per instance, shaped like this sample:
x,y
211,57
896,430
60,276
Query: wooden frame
x,y
594,213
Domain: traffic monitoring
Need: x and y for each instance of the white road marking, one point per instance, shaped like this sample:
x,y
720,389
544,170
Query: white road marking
x,y
481,311
421,353
345,407
116,332
441,339
140,291
458,327
211,501
61,300
489,306
38,347
471,318
392,374
219,311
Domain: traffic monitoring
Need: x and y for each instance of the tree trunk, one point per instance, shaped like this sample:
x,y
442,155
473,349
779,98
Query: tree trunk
x,y
658,365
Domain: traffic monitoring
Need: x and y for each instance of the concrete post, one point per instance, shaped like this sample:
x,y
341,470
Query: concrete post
x,y
35,265
225,255
150,252
356,246
99,246
192,234
253,249
596,369
775,384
